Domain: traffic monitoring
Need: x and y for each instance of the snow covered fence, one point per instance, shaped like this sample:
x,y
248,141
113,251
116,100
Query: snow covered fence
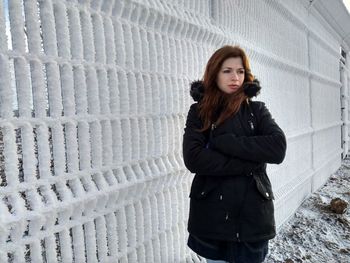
x,y
93,99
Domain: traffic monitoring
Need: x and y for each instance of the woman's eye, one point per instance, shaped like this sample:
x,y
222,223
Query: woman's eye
x,y
241,72
226,71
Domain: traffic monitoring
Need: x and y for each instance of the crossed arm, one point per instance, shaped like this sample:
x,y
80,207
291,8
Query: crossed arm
x,y
201,160
268,147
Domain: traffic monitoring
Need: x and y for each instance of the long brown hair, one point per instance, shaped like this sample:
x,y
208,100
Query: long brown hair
x,y
213,97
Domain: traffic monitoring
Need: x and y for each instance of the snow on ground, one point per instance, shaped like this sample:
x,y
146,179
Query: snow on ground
x,y
315,233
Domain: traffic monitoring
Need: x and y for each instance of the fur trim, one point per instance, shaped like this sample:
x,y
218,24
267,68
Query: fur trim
x,y
197,90
250,89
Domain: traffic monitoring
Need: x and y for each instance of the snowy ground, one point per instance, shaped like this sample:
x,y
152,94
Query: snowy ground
x,y
315,233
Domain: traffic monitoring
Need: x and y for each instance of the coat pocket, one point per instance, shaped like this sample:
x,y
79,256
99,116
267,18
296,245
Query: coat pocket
x,y
264,187
203,186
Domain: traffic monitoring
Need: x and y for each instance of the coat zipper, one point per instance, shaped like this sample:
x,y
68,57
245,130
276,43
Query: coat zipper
x,y
251,125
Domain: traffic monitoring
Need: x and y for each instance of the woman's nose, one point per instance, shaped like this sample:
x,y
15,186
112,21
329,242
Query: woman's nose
x,y
234,76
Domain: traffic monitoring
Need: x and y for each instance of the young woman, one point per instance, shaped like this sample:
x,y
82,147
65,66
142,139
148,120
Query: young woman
x,y
227,142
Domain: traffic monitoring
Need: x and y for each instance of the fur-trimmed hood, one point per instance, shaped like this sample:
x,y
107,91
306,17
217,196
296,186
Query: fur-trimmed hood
x,y
251,89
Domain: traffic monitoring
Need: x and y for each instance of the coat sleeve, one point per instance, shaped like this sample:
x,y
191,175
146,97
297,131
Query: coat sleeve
x,y
201,160
269,146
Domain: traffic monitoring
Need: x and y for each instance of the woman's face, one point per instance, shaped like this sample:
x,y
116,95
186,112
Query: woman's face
x,y
231,75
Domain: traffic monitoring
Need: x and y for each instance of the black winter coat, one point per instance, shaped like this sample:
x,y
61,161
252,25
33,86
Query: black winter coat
x,y
231,195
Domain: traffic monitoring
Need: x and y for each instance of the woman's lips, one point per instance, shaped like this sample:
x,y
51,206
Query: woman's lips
x,y
233,86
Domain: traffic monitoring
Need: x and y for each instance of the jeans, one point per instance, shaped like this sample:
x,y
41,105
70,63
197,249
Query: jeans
x,y
216,251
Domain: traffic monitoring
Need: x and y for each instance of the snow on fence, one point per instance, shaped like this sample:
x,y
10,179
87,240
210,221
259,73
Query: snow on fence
x,y
93,100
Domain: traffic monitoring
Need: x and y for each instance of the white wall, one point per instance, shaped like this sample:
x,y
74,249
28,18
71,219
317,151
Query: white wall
x,y
97,173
